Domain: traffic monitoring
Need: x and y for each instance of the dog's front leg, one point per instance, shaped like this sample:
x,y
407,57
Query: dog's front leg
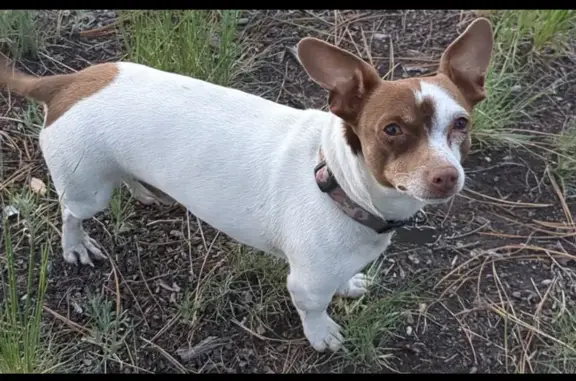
x,y
311,293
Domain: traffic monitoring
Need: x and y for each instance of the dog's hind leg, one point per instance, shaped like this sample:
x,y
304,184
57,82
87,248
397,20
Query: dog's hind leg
x,y
84,180
79,204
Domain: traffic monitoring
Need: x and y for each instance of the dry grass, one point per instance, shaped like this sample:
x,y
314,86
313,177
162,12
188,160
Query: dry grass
x,y
18,31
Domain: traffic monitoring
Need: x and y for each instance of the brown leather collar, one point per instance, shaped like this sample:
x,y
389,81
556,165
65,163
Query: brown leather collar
x,y
328,184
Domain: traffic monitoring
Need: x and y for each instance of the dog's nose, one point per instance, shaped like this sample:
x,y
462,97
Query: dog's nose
x,y
443,180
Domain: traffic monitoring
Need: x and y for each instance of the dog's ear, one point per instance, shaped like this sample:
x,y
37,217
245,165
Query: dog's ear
x,y
348,79
467,59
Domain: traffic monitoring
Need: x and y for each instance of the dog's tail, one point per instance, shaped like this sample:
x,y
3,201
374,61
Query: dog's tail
x,y
41,89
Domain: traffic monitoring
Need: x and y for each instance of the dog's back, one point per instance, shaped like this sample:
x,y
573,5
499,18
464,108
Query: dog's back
x,y
180,135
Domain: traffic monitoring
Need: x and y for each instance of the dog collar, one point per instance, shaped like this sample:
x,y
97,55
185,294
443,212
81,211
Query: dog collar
x,y
328,184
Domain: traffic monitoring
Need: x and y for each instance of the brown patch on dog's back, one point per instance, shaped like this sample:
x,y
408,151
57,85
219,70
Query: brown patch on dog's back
x,y
60,92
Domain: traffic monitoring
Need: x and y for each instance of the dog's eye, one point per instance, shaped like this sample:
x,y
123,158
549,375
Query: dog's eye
x,y
393,130
460,124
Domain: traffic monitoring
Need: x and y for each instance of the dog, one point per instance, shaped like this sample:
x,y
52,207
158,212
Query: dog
x,y
323,190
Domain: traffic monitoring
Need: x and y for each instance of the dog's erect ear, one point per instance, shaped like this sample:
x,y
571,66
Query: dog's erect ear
x,y
347,77
466,60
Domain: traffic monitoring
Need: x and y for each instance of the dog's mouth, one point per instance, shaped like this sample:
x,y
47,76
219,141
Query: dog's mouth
x,y
442,200
430,200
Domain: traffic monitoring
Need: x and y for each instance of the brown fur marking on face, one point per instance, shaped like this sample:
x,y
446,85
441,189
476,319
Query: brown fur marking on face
x,y
427,112
60,92
352,139
395,102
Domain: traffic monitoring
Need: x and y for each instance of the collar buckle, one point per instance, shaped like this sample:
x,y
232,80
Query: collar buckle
x,y
390,225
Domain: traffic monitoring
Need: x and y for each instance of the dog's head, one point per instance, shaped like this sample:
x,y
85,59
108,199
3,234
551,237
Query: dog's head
x,y
412,133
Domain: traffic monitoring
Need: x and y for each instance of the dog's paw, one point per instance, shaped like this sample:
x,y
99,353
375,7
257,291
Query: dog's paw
x,y
80,251
355,287
323,333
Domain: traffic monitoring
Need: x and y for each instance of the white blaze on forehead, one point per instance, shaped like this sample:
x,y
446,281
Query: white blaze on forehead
x,y
446,109
419,97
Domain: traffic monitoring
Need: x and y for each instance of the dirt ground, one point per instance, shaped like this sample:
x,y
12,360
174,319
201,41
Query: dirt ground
x,y
467,264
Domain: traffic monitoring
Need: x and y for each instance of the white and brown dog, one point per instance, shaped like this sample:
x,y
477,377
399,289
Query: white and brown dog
x,y
323,190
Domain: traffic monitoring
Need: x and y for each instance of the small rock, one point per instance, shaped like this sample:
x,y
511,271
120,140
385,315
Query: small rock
x,y
473,370
409,331
416,70
422,307
243,21
481,220
260,330
381,36
475,252
77,308
176,233
488,159
516,88
546,282
517,294
10,210
87,362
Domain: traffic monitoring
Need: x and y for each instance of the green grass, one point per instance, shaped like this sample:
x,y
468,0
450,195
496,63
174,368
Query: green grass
x,y
510,94
33,118
520,39
371,321
121,209
564,356
565,165
196,43
110,329
19,33
546,27
24,342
